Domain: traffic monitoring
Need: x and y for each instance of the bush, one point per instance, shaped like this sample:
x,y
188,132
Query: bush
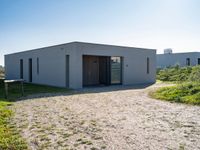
x,y
183,93
188,89
2,72
195,74
179,74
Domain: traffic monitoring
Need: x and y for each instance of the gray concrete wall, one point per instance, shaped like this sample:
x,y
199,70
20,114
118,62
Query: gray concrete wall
x,y
166,60
52,63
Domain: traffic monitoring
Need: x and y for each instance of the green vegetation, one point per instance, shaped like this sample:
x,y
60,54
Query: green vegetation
x,y
9,136
1,72
14,90
179,74
187,89
188,93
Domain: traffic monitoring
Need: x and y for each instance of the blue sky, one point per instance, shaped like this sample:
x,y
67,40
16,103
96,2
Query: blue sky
x,y
159,24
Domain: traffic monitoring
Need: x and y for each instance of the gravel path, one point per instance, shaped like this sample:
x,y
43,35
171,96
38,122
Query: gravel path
x,y
113,118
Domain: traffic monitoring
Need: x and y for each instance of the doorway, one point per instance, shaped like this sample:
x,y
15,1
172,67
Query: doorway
x,y
101,70
21,69
30,70
90,70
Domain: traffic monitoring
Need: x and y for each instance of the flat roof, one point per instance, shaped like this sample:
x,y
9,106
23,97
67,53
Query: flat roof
x,y
80,43
178,53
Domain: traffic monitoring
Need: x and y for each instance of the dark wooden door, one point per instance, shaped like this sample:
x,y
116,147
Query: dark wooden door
x,y
90,70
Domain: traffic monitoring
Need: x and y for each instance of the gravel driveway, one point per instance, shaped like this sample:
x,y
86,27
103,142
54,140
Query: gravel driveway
x,y
113,118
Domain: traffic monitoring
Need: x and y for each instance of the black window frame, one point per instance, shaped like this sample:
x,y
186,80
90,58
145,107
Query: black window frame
x,y
187,61
21,69
38,67
148,64
198,61
30,68
120,61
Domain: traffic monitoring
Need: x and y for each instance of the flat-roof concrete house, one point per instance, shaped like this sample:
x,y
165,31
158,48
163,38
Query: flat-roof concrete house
x,y
78,64
181,59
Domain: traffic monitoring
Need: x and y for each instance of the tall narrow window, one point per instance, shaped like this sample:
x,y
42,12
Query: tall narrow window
x,y
116,70
67,70
21,69
38,69
30,70
188,61
198,61
147,65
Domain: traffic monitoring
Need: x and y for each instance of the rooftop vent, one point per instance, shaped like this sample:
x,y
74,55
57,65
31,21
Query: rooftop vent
x,y
168,51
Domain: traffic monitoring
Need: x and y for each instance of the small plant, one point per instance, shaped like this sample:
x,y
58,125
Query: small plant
x,y
181,147
103,147
93,148
66,135
93,122
76,145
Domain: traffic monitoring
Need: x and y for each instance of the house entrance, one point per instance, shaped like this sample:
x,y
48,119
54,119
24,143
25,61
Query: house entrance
x,y
101,70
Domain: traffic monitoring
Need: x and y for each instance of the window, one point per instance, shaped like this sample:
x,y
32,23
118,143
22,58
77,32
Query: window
x,y
30,70
21,69
198,61
147,65
188,61
37,65
116,70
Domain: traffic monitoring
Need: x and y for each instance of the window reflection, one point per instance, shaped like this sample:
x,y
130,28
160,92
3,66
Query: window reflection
x,y
116,69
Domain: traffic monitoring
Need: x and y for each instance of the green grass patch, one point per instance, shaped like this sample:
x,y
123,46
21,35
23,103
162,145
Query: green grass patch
x,y
10,139
188,93
14,90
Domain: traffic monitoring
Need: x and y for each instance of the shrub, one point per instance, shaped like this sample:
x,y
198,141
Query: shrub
x,y
195,74
179,74
183,93
2,71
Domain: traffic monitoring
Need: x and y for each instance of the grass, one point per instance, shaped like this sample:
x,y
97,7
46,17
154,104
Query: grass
x,y
10,139
166,82
14,90
188,93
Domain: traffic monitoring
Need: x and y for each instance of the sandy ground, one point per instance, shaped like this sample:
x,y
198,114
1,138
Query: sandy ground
x,y
113,118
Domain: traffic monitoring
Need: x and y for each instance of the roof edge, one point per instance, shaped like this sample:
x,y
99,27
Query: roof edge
x,y
179,53
78,42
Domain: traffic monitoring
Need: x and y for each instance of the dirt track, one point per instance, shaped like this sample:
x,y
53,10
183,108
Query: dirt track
x,y
113,118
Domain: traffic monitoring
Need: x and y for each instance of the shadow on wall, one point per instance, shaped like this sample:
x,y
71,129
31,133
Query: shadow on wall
x,y
88,90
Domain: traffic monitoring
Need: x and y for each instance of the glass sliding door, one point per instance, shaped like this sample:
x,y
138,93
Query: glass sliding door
x,y
116,70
